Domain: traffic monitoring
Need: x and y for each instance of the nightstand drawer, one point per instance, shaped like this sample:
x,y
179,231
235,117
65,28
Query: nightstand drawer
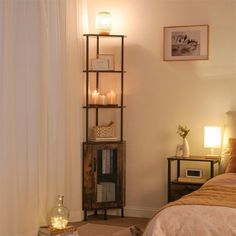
x,y
179,190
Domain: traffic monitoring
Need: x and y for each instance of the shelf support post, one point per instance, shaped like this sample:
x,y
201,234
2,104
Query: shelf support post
x,y
87,86
122,89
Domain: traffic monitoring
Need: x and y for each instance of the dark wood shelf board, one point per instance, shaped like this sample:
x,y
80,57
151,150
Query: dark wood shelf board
x,y
185,183
103,106
106,35
195,158
104,71
104,142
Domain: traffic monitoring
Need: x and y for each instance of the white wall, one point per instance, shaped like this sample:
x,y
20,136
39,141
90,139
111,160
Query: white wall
x,y
160,95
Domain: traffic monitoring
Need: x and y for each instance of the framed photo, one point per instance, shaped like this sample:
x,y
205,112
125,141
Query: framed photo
x,y
110,59
186,43
100,64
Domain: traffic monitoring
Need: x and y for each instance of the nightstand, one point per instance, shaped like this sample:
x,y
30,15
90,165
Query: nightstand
x,y
177,189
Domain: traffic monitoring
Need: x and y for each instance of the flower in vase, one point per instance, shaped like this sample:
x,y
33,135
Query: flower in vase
x,y
183,131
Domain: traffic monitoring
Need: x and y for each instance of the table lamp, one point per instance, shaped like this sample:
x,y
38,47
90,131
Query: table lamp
x,y
212,138
103,22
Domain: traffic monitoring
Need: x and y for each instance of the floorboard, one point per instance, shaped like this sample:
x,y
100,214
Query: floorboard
x,y
116,221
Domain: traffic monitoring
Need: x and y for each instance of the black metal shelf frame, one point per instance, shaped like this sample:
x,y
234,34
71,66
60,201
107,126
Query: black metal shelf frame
x,y
88,71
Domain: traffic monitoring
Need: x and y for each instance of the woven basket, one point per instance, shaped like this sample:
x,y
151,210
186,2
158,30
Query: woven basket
x,y
103,131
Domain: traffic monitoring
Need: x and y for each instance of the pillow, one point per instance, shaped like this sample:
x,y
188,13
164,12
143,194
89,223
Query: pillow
x,y
229,132
231,167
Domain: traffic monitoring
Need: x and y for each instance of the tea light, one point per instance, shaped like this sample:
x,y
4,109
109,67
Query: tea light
x,y
95,97
102,99
111,98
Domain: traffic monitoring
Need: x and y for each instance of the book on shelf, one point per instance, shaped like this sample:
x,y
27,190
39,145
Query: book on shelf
x,y
111,161
70,230
107,161
106,192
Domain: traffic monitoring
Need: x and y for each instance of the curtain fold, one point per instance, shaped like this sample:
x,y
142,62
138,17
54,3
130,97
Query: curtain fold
x,y
40,111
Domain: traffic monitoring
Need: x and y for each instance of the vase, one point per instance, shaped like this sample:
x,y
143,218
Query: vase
x,y
186,150
59,215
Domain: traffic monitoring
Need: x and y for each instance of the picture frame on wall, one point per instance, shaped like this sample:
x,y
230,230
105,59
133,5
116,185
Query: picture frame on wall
x,y
182,43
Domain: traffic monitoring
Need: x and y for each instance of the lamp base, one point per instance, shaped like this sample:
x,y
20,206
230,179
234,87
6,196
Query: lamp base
x,y
104,33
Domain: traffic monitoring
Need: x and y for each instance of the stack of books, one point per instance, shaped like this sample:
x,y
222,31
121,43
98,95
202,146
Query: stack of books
x,y
107,161
106,192
70,230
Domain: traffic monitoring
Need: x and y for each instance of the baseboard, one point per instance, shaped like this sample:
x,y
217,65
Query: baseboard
x,y
134,211
76,216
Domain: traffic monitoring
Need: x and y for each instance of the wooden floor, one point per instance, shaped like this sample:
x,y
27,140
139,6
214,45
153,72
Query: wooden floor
x,y
116,221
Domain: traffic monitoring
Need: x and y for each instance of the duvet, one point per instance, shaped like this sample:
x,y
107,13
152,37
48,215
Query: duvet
x,y
209,211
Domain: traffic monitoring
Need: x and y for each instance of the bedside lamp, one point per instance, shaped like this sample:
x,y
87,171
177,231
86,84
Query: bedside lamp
x,y
212,138
103,22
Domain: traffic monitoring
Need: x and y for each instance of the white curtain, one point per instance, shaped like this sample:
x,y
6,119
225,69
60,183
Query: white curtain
x,y
40,106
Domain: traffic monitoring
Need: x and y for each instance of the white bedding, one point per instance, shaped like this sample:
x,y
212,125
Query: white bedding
x,y
196,220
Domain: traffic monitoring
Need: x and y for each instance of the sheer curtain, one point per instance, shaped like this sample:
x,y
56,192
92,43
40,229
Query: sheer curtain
x,y
40,106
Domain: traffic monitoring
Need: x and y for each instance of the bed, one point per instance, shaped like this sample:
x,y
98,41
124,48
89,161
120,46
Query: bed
x,y
209,211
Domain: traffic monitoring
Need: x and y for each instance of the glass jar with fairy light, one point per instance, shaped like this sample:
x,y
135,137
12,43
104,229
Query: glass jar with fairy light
x,y
59,216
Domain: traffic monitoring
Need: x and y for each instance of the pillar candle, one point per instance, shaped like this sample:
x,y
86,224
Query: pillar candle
x,y
111,98
95,97
102,99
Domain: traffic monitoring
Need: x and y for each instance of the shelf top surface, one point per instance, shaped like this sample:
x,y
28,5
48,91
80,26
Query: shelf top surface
x,y
104,142
185,183
196,158
105,71
104,106
105,35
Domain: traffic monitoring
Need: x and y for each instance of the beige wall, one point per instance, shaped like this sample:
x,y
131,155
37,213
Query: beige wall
x,y
160,95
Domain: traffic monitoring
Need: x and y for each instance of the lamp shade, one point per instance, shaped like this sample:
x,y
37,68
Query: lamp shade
x,y
103,22
212,137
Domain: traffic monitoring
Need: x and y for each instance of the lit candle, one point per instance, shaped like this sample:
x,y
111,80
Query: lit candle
x,y
95,97
59,222
111,98
102,99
